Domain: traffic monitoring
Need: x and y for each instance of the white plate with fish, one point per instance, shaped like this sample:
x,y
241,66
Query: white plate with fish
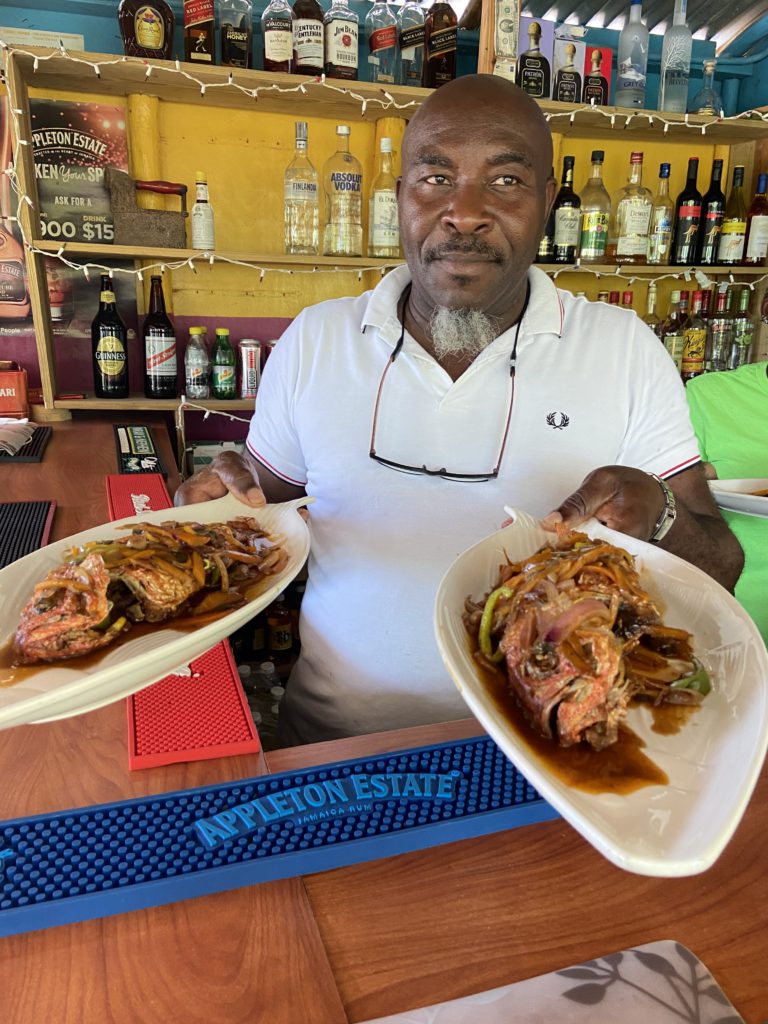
x,y
711,755
749,496
58,689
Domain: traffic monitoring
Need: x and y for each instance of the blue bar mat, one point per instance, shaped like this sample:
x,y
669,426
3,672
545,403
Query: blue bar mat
x,y
109,859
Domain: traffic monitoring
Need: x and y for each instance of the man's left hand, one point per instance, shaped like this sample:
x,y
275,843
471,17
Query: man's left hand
x,y
624,499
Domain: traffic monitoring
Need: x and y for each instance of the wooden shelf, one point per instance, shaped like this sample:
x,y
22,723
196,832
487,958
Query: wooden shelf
x,y
267,259
643,270
135,402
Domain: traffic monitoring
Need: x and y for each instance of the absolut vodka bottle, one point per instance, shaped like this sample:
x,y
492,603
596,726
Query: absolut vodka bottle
x,y
302,200
343,181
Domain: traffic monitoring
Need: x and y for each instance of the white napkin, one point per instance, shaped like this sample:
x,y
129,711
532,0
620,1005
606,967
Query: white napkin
x,y
14,434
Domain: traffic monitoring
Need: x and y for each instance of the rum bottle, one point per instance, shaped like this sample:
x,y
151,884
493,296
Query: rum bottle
x,y
631,218
308,53
383,228
109,342
533,70
342,182
199,31
595,214
277,37
147,28
159,347
341,29
567,217
756,245
685,241
694,341
440,41
672,330
712,215
733,232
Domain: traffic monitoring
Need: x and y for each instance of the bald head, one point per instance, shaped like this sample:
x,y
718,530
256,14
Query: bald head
x,y
476,100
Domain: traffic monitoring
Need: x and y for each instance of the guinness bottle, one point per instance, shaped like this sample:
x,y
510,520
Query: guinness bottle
x,y
109,341
159,347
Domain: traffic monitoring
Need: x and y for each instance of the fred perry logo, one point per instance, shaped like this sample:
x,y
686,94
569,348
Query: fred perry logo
x,y
558,420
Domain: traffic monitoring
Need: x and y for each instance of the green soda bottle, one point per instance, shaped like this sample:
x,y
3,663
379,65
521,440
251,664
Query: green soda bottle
x,y
223,364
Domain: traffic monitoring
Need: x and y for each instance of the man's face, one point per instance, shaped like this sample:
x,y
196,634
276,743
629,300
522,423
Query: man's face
x,y
473,200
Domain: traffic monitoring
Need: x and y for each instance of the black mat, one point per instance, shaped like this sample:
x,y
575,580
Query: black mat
x,y
24,527
32,452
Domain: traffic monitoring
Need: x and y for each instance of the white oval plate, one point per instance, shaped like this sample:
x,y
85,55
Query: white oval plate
x,y
737,496
713,761
64,689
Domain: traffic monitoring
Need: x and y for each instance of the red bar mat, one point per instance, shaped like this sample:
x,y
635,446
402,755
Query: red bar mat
x,y
24,527
191,717
132,495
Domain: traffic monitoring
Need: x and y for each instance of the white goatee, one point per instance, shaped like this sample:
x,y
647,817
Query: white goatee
x,y
461,332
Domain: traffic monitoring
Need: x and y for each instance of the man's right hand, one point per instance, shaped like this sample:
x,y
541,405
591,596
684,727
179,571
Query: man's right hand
x,y
229,473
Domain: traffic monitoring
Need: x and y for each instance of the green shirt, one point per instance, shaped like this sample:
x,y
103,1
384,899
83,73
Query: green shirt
x,y
729,411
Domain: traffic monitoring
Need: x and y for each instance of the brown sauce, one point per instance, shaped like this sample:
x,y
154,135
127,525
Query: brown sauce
x,y
669,719
621,768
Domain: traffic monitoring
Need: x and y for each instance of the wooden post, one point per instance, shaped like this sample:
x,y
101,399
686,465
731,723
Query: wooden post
x,y
486,51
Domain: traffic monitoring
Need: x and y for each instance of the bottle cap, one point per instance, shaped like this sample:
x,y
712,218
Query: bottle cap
x,y
243,671
664,170
636,158
568,162
200,177
301,131
277,692
626,298
684,295
614,297
223,331
674,297
386,145
342,129
197,330
598,155
267,667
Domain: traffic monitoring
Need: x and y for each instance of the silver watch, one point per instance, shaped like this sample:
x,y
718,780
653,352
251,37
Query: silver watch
x,y
668,513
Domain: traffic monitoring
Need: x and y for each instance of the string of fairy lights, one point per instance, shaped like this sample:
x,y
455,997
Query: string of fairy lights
x,y
384,103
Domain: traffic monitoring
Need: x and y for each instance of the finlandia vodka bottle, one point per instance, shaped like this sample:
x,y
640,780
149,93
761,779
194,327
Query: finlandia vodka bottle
x,y
381,29
342,181
410,43
384,232
302,201
676,63
632,59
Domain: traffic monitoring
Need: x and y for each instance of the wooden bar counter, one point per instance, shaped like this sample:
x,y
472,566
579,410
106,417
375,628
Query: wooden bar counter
x,y
354,943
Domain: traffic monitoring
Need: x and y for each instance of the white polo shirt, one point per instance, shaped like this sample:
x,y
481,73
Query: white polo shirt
x,y
593,387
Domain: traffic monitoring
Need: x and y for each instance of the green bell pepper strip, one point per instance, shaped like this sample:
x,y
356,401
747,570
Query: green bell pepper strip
x,y
484,634
698,681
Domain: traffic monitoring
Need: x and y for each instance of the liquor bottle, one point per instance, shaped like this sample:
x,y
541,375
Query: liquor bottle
x,y
672,330
567,217
650,317
676,63
279,631
613,298
147,28
381,31
712,214
602,296
533,71
235,33
307,37
201,220
410,44
733,232
720,331
341,30
223,366
662,219
342,182
384,231
277,37
627,300
694,341
595,85
756,244
14,297
546,250
199,32
109,342
632,59
743,333
302,200
631,218
159,346
197,365
567,79
595,213
440,42
707,100
685,239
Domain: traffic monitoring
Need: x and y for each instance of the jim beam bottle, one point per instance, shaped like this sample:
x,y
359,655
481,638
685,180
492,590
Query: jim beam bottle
x,y
199,32
159,347
440,40
147,28
109,341
341,31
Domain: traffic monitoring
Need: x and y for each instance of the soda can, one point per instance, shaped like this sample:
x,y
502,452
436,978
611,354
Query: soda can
x,y
266,348
250,359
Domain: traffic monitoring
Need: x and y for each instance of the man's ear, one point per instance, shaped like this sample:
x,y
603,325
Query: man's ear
x,y
551,192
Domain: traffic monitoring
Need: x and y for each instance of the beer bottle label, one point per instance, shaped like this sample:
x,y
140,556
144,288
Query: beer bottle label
x,y
110,355
160,353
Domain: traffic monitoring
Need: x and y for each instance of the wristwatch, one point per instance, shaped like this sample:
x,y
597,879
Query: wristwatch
x,y
668,513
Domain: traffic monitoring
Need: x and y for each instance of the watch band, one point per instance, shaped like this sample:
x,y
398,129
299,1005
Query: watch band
x,y
668,513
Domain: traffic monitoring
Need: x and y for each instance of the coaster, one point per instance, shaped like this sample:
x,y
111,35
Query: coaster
x,y
32,452
24,527
132,495
136,450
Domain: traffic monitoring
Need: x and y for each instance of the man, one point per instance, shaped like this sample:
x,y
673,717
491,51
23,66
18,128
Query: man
x,y
728,414
464,382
